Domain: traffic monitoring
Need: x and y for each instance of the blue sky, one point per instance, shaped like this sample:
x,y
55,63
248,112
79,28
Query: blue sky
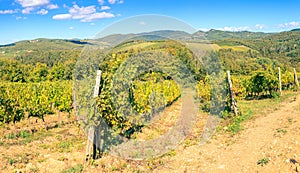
x,y
29,19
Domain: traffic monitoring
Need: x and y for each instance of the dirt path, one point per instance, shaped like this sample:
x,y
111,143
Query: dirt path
x,y
275,136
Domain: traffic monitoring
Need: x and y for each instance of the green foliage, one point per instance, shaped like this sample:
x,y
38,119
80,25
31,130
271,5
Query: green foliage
x,y
279,130
235,122
282,47
220,35
16,71
11,161
240,62
64,146
10,136
153,93
24,134
263,161
10,106
35,99
135,84
263,83
35,64
204,93
240,85
75,169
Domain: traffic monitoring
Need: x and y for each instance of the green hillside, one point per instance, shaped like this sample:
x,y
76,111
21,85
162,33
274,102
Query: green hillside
x,y
184,36
240,52
220,35
283,48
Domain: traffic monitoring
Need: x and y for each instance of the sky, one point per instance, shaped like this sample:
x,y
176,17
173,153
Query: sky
x,y
30,19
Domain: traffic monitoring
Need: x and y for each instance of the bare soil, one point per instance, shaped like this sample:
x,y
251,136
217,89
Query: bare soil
x,y
274,137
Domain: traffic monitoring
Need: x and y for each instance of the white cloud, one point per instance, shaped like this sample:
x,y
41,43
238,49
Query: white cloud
x,y
235,29
42,12
81,12
62,16
242,28
92,24
112,1
71,27
142,23
85,14
260,26
33,3
8,11
27,10
30,5
101,2
203,29
52,6
96,16
289,25
105,7
19,18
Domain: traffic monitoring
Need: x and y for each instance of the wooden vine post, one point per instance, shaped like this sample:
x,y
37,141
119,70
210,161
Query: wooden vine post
x,y
233,103
279,78
93,141
296,79
89,142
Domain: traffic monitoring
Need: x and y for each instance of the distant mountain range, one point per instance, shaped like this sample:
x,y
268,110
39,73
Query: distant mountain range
x,y
298,29
211,35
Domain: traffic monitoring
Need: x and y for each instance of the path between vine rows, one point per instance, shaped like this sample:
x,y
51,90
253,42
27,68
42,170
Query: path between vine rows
x,y
275,136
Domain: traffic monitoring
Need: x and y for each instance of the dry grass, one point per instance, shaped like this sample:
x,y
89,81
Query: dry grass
x,y
236,48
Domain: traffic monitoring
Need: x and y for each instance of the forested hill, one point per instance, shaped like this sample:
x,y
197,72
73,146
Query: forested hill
x,y
241,52
211,35
284,42
280,49
44,44
220,35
